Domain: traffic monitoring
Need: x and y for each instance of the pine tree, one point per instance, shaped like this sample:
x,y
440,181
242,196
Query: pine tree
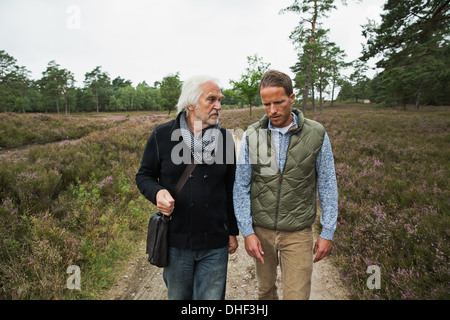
x,y
306,33
412,44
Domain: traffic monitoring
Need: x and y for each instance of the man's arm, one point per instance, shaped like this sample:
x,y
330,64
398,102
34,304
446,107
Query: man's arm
x,y
242,203
148,174
328,192
328,198
241,190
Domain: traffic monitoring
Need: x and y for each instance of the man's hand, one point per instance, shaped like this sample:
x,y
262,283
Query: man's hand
x,y
253,247
164,202
232,245
322,248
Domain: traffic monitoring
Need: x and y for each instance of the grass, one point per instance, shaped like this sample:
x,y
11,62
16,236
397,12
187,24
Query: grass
x,y
392,169
76,203
71,204
17,130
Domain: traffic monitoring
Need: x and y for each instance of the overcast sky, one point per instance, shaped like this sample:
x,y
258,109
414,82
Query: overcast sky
x,y
148,39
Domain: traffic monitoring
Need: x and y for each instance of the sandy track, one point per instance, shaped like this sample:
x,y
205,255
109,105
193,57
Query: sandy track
x,y
143,281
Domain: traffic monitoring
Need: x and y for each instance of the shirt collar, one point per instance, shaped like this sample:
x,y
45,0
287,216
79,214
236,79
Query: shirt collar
x,y
292,126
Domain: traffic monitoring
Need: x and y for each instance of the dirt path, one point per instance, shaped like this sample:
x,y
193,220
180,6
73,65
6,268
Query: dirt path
x,y
143,281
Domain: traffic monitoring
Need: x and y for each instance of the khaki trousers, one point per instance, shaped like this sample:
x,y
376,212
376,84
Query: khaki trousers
x,y
294,252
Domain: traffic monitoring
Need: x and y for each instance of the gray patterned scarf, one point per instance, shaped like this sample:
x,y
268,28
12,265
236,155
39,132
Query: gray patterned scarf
x,y
203,147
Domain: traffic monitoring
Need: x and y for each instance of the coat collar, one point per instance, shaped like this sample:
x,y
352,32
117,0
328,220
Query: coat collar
x,y
176,123
298,118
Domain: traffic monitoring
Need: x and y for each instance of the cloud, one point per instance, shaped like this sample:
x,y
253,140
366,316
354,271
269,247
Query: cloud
x,y
147,40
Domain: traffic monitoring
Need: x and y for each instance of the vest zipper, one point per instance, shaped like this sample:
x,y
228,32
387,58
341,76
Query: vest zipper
x,y
280,180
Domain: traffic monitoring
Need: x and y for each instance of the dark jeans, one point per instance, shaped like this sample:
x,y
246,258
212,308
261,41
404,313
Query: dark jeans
x,y
196,275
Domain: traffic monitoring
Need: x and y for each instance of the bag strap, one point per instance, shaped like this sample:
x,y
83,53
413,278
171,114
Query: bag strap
x,y
186,173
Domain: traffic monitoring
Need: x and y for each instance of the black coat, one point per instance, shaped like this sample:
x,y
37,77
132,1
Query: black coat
x,y
203,217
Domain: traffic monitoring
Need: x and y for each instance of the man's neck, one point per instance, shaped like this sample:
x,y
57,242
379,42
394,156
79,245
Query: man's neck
x,y
195,125
289,123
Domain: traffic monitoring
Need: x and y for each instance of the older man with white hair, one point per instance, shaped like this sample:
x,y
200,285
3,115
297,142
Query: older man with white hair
x,y
203,227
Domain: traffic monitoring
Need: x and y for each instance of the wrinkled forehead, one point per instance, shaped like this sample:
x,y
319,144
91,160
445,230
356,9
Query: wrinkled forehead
x,y
210,89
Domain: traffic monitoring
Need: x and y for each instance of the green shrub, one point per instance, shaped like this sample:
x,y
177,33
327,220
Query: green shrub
x,y
71,204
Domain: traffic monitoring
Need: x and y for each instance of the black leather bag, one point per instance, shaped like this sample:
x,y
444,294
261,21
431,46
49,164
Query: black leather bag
x,y
157,239
158,228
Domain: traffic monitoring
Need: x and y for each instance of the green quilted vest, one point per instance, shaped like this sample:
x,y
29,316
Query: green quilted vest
x,y
284,201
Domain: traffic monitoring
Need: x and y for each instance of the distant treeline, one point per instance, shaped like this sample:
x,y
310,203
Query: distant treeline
x,y
56,91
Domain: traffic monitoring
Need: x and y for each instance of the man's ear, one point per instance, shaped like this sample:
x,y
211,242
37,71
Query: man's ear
x,y
292,97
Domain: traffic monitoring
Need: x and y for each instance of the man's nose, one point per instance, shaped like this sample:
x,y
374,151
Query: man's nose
x,y
218,105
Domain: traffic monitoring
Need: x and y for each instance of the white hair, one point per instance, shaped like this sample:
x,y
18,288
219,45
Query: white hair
x,y
191,91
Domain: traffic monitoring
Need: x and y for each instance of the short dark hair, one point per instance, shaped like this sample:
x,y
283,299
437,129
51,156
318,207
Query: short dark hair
x,y
274,78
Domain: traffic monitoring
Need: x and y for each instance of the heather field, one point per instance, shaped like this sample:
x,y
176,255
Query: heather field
x,y
72,202
17,130
393,170
68,197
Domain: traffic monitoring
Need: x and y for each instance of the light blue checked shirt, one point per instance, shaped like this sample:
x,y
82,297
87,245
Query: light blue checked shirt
x,y
327,186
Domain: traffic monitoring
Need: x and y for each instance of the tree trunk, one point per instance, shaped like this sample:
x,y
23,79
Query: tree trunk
x,y
309,71
65,103
96,98
332,93
313,98
306,89
419,95
320,96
